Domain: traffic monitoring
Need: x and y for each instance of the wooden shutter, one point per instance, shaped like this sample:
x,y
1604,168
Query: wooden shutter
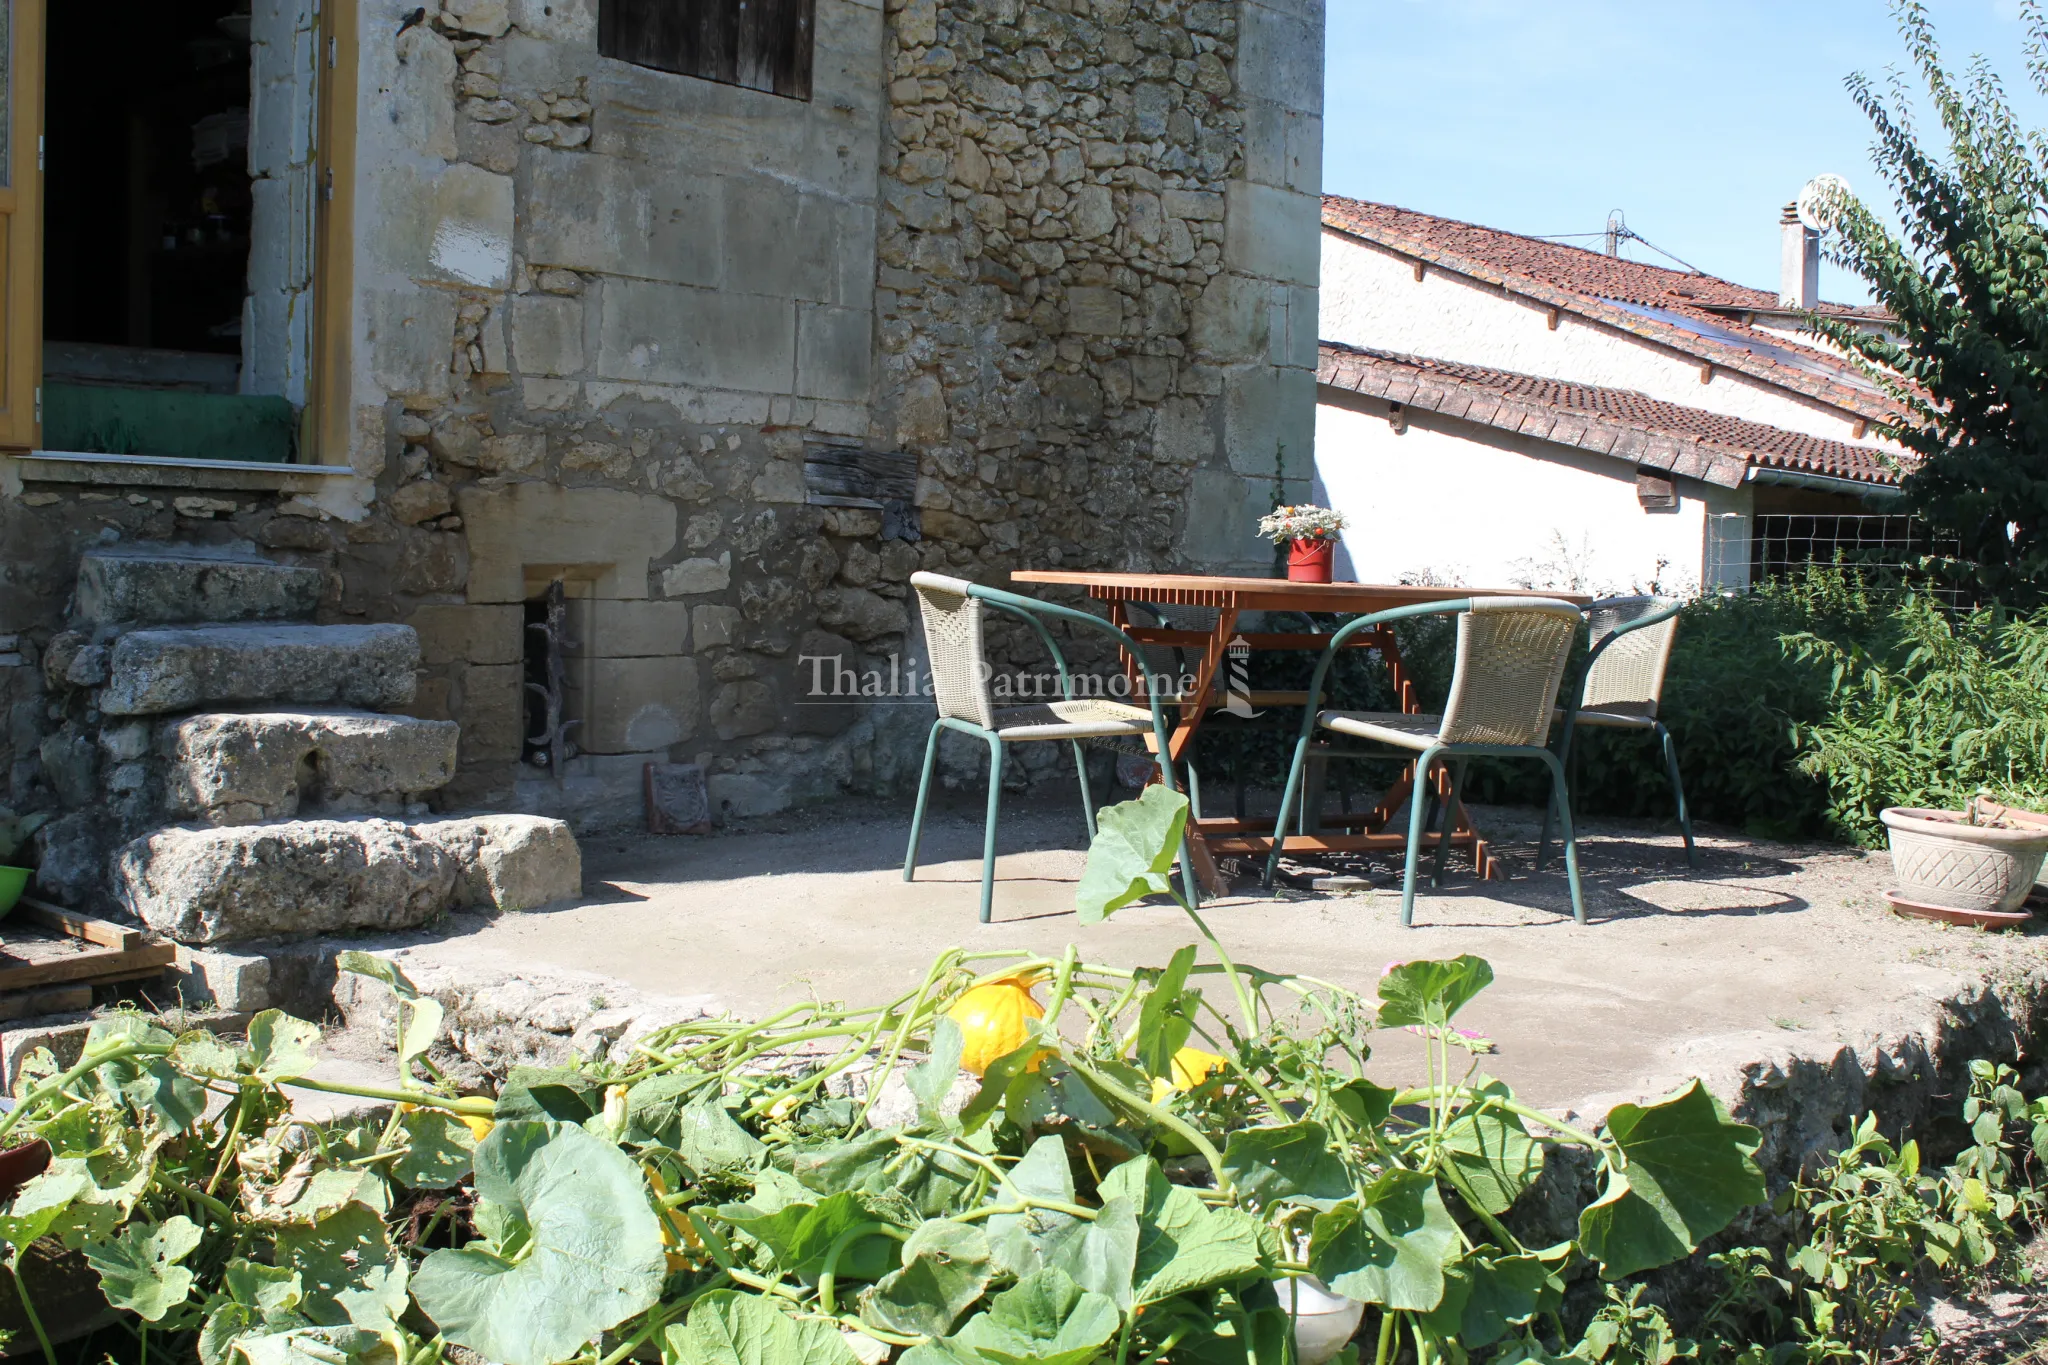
x,y
21,221
758,44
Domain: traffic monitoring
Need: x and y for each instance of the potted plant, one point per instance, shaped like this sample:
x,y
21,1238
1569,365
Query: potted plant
x,y
1981,861
15,832
1311,536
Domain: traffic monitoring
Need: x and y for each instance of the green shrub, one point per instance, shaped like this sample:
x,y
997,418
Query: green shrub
x,y
1941,708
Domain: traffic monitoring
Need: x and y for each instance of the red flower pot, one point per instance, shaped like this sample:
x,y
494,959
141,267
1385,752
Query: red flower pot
x,y
1309,561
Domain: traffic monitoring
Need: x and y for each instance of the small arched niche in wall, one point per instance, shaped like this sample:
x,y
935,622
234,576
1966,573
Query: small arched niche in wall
x,y
757,44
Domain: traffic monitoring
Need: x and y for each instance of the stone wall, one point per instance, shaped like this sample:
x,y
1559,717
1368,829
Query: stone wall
x,y
1062,251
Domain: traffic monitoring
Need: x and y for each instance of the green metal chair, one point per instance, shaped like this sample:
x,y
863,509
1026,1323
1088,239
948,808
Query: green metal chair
x,y
955,613
1511,658
1624,684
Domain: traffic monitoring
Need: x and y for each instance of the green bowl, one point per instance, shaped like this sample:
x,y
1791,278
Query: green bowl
x,y
13,881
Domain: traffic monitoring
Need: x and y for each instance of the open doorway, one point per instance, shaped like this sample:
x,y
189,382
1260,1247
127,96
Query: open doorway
x,y
176,248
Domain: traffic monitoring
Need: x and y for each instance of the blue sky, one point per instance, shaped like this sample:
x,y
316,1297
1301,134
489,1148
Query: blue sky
x,y
1698,119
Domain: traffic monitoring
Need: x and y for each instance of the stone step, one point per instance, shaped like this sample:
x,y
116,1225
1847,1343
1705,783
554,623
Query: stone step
x,y
235,768
152,672
204,886
182,584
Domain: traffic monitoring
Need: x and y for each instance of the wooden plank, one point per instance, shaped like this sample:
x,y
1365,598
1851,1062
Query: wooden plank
x,y
112,962
756,44
849,476
35,1004
70,922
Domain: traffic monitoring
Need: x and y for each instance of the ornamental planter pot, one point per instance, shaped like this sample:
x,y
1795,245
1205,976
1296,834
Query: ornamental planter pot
x,y
1940,858
1310,561
13,881
1324,1323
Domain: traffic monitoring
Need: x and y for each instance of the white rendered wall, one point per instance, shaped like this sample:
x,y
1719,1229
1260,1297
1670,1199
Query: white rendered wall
x,y
1453,502
1371,298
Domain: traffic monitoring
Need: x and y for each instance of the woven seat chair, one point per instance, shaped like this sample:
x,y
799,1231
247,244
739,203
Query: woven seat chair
x,y
955,613
1511,658
1624,684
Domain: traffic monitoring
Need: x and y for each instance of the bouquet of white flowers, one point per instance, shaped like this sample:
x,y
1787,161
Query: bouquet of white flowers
x,y
1306,522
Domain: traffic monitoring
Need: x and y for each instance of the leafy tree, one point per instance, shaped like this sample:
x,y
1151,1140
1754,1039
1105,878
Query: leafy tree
x,y
1967,281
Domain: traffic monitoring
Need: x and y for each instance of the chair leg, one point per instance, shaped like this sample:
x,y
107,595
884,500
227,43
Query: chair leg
x,y
1443,840
988,835
924,788
1692,857
1562,798
1087,800
1567,745
1194,792
1417,805
1295,773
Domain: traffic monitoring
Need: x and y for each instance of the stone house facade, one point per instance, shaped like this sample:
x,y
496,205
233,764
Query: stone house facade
x,y
1020,283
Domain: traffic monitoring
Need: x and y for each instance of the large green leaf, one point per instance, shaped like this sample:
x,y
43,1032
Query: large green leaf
x,y
1429,994
580,1249
1293,1161
1183,1245
1388,1245
151,1086
316,1346
280,1046
1002,1073
254,1300
1100,1256
709,1139
560,1093
1134,848
1495,1156
1689,1171
945,1269
139,1269
725,1328
932,1079
349,1272
1015,1239
1483,1297
420,1025
440,1149
42,1202
1044,1320
377,969
1166,1016
800,1235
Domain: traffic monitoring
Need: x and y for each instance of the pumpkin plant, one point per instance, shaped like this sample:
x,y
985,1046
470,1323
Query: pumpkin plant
x,y
964,1175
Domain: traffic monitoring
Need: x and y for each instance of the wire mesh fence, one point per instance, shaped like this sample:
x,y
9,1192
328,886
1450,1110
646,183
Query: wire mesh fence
x,y
1887,550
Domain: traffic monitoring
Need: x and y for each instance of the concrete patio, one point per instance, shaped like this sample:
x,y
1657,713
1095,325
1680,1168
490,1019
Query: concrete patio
x,y
1767,952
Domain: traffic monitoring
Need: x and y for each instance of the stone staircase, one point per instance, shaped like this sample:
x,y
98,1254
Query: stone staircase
x,y
238,773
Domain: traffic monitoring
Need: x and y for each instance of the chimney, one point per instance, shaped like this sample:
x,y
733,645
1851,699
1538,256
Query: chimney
x,y
1798,262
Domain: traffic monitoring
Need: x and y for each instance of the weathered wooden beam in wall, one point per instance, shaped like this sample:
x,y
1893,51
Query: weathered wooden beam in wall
x,y
884,480
757,44
1656,492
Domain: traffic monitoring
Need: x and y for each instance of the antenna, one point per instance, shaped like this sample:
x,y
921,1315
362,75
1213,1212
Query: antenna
x,y
1819,205
1617,232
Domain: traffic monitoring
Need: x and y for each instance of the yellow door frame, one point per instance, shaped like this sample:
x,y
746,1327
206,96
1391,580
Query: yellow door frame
x,y
21,233
329,425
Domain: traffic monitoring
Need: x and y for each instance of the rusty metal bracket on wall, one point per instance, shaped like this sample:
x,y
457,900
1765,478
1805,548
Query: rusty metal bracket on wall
x,y
553,739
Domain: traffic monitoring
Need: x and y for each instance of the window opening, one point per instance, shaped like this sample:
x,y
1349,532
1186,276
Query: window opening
x,y
546,743
757,44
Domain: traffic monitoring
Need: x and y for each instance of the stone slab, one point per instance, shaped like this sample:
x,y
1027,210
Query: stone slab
x,y
158,671
208,886
243,768
508,862
176,586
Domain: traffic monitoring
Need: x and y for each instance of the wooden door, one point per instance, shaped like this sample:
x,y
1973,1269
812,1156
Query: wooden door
x,y
21,222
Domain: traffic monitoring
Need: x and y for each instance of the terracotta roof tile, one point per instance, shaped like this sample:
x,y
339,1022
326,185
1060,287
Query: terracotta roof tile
x,y
1621,422
1701,315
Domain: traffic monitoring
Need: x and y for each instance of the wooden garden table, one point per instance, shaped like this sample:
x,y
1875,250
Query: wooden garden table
x,y
1232,598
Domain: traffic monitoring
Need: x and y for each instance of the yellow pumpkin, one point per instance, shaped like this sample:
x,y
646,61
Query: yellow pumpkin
x,y
481,1128
994,1020
1191,1066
